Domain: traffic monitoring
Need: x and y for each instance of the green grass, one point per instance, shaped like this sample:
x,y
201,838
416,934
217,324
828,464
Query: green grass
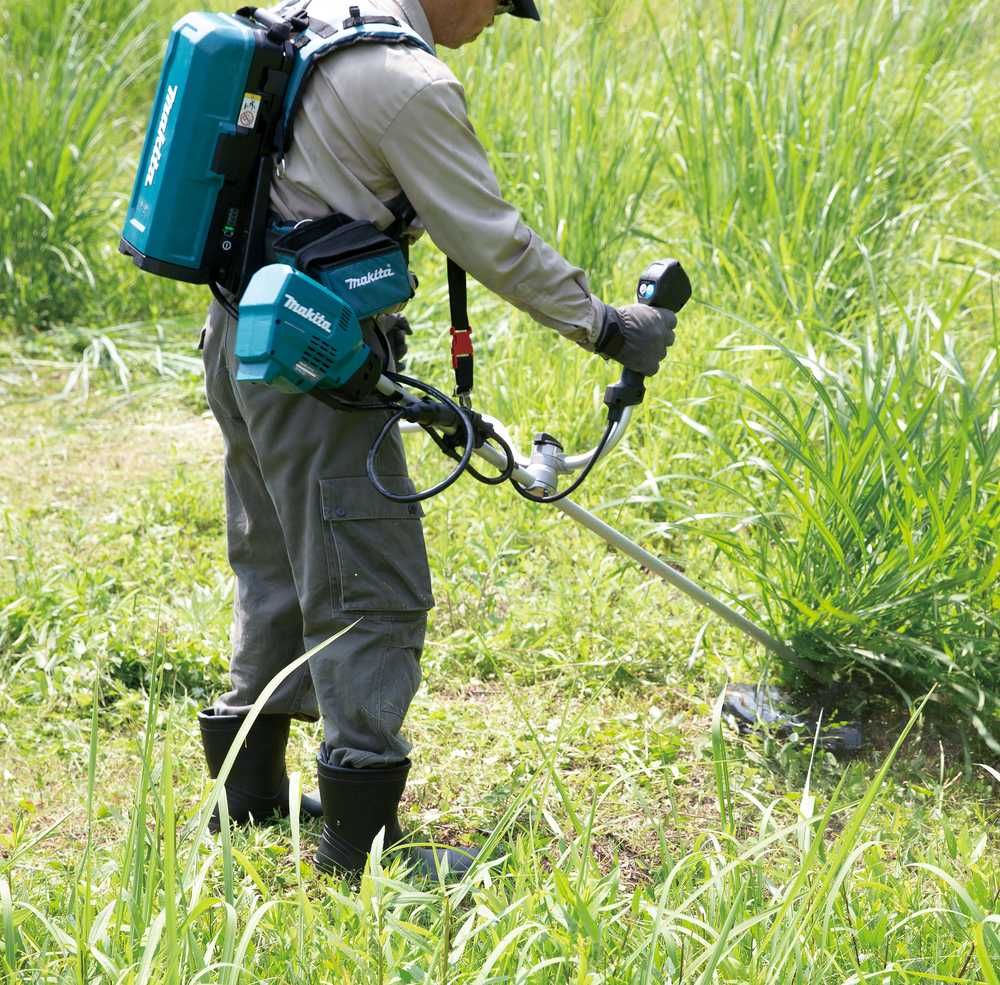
x,y
814,140
75,76
576,140
878,550
821,446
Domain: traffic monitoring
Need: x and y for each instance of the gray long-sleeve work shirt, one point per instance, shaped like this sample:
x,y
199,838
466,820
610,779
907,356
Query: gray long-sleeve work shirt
x,y
379,119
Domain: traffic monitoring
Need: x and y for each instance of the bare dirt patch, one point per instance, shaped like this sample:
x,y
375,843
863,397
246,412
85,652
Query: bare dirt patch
x,y
69,456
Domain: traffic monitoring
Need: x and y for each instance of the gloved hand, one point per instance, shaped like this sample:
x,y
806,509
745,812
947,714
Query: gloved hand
x,y
395,328
637,336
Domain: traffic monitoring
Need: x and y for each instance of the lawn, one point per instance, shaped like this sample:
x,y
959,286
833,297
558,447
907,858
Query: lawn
x,y
821,448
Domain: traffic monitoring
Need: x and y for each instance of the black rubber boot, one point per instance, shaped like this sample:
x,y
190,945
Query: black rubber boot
x,y
357,804
257,786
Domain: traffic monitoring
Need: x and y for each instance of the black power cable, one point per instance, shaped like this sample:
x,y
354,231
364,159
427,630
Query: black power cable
x,y
448,448
330,398
461,414
502,476
463,461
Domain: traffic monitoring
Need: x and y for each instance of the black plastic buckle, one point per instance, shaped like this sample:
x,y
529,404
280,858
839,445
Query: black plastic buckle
x,y
356,20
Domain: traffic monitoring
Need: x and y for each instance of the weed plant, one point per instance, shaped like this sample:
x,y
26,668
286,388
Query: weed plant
x,y
879,547
72,74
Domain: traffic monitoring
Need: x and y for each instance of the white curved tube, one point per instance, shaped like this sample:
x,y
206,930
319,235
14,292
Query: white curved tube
x,y
573,463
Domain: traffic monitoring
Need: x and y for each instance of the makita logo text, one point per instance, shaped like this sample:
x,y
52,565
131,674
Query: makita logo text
x,y
380,274
310,314
161,134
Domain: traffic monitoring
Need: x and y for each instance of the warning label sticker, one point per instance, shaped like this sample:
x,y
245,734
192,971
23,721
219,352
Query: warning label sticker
x,y
249,110
304,369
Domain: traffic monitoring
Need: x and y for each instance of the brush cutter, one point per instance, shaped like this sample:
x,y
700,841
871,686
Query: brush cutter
x,y
296,334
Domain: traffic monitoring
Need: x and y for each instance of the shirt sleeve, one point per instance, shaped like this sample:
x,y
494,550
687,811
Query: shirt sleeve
x,y
437,159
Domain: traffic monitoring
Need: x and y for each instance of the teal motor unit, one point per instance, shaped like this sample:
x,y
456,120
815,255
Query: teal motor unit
x,y
216,107
298,336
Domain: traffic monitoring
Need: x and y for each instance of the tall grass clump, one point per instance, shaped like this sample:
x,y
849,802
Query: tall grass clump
x,y
70,109
564,112
808,137
870,484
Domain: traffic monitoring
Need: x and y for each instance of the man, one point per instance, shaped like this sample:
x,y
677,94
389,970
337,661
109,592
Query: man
x,y
313,546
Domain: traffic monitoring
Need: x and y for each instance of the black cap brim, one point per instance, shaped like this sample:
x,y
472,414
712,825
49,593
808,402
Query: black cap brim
x,y
526,8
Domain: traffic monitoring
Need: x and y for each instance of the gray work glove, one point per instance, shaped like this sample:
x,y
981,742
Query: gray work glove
x,y
637,336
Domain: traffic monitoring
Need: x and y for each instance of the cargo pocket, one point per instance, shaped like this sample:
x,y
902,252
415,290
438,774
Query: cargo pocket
x,y
375,547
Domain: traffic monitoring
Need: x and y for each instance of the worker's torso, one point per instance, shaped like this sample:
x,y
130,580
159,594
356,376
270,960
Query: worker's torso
x,y
334,163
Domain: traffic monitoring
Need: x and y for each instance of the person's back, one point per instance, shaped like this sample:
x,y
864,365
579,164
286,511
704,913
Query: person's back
x,y
335,163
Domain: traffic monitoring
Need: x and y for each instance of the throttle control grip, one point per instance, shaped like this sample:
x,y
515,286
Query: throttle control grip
x,y
627,392
664,284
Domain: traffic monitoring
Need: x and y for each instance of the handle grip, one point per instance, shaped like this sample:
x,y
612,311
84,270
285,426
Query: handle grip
x,y
664,284
627,392
632,380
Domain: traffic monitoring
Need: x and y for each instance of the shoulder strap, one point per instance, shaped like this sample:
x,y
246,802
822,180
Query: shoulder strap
x,y
317,42
462,357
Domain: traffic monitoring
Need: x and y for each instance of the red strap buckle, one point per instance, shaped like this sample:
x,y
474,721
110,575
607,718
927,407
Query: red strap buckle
x,y
461,344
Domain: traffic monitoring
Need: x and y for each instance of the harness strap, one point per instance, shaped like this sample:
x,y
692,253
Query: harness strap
x,y
312,229
356,20
462,358
356,30
306,40
255,253
403,214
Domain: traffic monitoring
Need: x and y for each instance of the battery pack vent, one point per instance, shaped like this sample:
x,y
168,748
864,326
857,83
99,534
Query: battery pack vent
x,y
320,354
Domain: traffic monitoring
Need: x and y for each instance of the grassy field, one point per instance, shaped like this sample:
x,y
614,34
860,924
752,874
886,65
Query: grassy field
x,y
822,447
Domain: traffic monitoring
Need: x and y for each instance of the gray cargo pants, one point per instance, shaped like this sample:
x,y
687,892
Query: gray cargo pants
x,y
314,547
